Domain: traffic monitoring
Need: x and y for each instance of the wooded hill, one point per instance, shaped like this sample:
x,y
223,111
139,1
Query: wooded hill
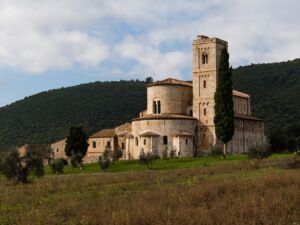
x,y
274,90
47,116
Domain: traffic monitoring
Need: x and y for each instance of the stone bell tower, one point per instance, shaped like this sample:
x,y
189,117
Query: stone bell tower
x,y
206,59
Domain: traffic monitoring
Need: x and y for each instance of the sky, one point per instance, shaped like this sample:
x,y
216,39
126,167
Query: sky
x,y
48,44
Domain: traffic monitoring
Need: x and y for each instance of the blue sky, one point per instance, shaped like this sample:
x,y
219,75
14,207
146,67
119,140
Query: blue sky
x,y
51,44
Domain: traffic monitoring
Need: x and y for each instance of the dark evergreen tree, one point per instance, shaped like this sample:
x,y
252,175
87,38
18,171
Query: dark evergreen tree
x,y
224,115
76,145
149,80
19,168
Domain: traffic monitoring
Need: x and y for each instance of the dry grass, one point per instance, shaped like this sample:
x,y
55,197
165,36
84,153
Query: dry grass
x,y
240,193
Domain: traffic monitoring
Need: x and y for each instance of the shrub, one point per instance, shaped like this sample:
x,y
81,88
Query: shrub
x,y
165,153
173,154
18,168
105,160
118,153
260,151
216,150
148,159
57,166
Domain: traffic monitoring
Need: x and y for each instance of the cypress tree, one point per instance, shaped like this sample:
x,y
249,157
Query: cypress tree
x,y
76,145
224,114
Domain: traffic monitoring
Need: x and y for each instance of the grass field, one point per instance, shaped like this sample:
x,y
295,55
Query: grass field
x,y
178,191
177,163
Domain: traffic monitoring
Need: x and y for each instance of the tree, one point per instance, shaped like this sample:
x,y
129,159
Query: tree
x,y
76,145
57,166
105,159
216,150
18,168
149,80
118,153
224,114
148,159
278,140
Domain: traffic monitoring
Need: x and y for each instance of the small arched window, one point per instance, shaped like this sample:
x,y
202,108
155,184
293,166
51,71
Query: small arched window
x,y
204,111
204,84
145,142
199,59
204,58
158,107
136,141
186,141
165,138
154,107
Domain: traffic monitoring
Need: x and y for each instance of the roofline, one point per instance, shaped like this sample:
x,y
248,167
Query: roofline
x,y
164,118
58,141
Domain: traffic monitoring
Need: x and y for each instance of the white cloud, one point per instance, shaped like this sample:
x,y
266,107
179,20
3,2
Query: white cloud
x,y
37,36
150,60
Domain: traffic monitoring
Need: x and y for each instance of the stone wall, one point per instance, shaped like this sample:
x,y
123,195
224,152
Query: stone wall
x,y
161,127
58,149
97,146
174,99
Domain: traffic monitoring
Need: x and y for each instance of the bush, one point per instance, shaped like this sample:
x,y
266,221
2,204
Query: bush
x,y
118,153
216,150
57,166
148,159
260,151
105,160
165,153
173,154
18,168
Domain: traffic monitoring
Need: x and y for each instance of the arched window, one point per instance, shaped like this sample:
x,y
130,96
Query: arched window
x,y
158,107
186,141
204,84
165,138
204,58
154,107
204,111
199,59
145,142
136,141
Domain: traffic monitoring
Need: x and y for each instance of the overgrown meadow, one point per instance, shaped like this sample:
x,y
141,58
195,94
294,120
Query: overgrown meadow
x,y
212,191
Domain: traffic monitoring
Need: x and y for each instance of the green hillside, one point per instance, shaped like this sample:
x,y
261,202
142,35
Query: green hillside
x,y
275,91
46,117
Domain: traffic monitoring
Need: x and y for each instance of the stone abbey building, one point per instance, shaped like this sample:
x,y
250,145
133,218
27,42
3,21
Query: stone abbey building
x,y
180,115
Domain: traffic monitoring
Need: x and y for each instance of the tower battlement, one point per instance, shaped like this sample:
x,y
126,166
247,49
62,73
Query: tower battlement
x,y
202,39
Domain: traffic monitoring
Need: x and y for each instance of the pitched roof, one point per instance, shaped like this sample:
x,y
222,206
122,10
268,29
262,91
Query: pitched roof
x,y
164,116
171,81
105,133
149,133
240,94
125,134
183,134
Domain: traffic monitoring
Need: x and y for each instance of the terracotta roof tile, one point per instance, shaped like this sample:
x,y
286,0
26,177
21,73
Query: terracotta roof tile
x,y
171,81
105,133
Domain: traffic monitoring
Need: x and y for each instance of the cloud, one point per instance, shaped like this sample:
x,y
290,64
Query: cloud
x,y
150,60
140,36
